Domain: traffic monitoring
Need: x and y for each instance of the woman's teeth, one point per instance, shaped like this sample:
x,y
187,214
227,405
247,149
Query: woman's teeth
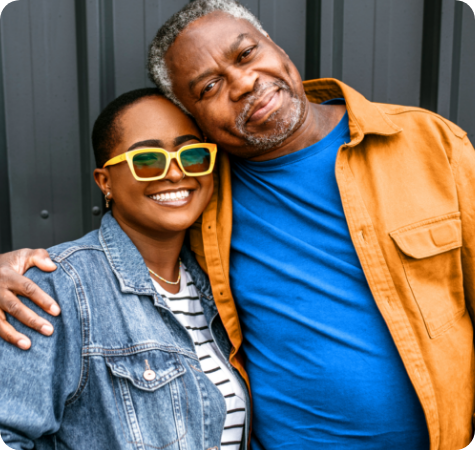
x,y
171,196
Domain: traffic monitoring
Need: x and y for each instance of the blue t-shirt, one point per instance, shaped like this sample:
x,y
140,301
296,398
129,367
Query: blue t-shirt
x,y
324,370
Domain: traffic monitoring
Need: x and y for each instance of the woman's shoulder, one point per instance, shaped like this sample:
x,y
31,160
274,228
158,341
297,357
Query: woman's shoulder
x,y
80,248
73,260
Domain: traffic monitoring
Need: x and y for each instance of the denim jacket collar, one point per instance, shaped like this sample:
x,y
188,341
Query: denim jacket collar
x,y
124,258
129,267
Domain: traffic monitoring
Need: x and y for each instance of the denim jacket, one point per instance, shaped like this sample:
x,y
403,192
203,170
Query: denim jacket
x,y
84,387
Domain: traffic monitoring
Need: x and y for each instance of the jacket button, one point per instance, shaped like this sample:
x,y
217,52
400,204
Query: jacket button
x,y
149,375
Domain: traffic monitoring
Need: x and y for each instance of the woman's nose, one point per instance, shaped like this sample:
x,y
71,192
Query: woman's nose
x,y
174,172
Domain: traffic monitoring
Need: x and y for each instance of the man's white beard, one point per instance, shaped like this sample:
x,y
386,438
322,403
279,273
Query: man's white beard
x,y
284,128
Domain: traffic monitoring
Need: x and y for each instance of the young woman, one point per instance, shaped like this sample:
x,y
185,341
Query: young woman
x,y
139,357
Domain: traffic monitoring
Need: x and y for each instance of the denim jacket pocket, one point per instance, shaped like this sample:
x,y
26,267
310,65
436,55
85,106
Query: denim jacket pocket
x,y
147,382
431,255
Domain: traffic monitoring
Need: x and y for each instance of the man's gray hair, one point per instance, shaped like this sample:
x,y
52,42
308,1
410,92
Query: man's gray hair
x,y
168,33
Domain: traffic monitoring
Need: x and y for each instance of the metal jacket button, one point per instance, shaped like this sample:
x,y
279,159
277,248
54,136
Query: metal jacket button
x,y
149,375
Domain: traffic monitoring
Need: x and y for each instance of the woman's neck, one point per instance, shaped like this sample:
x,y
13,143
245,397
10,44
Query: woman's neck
x,y
160,252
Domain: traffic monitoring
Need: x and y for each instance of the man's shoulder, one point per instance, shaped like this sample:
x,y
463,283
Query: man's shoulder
x,y
412,118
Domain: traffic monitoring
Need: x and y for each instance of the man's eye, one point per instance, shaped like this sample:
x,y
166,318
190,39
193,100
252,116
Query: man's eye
x,y
246,53
209,87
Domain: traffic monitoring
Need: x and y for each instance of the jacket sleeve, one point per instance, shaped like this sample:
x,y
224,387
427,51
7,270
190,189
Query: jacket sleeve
x,y
36,384
464,172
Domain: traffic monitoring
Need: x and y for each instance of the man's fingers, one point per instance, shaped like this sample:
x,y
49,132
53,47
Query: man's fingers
x,y
13,306
41,259
9,334
21,260
11,281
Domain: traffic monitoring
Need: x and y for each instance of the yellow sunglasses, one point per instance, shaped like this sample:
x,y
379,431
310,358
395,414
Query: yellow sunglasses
x,y
148,164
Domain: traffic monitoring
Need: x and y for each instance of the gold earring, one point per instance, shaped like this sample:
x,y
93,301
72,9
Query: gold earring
x,y
107,199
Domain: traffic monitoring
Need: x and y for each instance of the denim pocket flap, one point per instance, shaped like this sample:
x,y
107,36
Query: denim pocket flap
x,y
431,237
147,370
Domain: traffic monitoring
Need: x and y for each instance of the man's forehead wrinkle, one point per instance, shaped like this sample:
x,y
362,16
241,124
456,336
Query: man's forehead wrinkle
x,y
235,45
200,77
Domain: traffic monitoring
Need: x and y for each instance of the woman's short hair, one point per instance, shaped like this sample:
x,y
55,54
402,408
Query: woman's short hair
x,y
106,133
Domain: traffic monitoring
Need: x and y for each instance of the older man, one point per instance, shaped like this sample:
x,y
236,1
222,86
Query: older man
x,y
352,253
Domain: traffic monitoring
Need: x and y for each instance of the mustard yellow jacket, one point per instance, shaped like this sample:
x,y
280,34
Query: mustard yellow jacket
x,y
407,183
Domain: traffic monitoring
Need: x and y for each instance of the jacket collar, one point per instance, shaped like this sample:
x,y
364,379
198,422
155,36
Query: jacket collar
x,y
132,273
124,258
364,116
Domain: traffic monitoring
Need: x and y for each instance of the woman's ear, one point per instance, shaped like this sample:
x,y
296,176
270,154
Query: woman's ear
x,y
102,179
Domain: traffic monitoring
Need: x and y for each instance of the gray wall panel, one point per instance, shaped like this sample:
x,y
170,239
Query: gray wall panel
x,y
466,100
375,47
327,51
62,61
42,121
129,44
135,25
253,6
5,213
285,23
405,48
358,45
446,57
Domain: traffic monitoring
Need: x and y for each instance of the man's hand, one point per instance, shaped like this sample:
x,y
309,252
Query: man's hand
x,y
12,283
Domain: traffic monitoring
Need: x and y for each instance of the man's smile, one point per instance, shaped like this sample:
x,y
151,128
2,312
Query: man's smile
x,y
270,103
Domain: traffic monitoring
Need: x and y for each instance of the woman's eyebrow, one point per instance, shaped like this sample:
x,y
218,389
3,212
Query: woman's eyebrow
x,y
154,143
186,137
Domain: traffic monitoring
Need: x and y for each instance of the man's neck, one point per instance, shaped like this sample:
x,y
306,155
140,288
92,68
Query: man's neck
x,y
319,121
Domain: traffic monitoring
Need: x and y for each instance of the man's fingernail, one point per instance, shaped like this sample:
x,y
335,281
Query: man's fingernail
x,y
47,330
24,344
55,310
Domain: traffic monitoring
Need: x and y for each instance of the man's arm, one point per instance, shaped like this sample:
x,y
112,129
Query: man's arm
x,y
464,173
12,283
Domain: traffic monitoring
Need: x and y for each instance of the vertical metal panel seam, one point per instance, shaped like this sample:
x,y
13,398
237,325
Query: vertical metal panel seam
x,y
338,21
312,39
107,67
6,238
431,33
145,49
83,104
456,61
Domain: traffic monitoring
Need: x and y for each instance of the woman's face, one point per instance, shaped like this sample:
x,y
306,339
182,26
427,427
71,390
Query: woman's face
x,y
150,123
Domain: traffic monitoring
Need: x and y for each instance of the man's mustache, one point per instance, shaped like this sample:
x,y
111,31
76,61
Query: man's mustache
x,y
260,90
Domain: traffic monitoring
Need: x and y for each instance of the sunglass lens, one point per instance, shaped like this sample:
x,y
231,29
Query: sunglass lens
x,y
149,165
196,160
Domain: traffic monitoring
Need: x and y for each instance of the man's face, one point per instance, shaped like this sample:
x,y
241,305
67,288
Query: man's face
x,y
243,90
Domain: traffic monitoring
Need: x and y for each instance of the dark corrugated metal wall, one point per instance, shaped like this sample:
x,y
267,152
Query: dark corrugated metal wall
x,y
62,61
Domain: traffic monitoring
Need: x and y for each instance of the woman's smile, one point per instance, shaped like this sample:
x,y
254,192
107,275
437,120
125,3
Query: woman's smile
x,y
173,198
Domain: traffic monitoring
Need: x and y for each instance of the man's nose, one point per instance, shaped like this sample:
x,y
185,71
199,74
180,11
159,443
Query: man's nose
x,y
174,173
242,83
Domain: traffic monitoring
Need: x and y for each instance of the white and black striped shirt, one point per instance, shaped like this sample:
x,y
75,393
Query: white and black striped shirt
x,y
188,310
